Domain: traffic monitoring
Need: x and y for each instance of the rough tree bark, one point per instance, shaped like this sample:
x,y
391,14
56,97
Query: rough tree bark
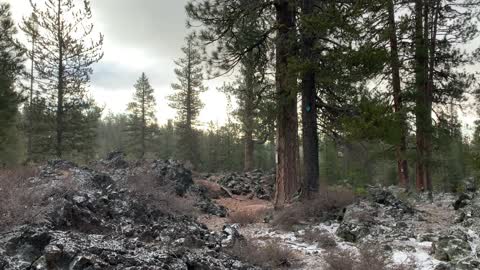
x,y
311,171
248,115
421,108
401,148
435,9
144,123
30,109
287,119
60,86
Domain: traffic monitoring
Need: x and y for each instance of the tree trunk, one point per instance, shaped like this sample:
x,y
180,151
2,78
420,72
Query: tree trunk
x,y
311,169
287,120
249,151
401,148
30,110
248,117
421,108
429,90
144,124
60,87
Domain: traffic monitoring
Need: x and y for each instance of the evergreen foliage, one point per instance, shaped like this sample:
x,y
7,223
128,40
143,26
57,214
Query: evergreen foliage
x,y
142,123
186,99
11,66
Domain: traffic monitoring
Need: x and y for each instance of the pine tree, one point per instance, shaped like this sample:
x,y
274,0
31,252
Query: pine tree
x,y
11,59
142,121
311,168
222,21
186,99
29,27
65,65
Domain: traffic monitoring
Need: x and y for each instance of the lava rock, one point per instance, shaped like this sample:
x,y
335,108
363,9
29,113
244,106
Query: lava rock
x,y
99,225
452,247
256,183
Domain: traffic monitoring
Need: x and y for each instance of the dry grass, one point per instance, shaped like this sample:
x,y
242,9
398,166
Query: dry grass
x,y
17,199
242,218
325,206
23,201
161,195
369,258
270,255
320,237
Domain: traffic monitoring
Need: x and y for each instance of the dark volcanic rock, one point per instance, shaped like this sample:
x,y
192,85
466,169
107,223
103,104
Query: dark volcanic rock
x,y
116,160
100,225
173,172
381,215
256,183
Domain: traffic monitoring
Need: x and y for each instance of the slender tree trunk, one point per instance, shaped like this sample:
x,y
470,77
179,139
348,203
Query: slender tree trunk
x,y
287,120
311,169
248,114
189,154
421,108
401,149
60,87
30,110
142,154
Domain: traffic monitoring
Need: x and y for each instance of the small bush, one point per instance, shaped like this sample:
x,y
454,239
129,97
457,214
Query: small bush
x,y
327,205
368,258
17,199
320,237
242,218
156,193
270,255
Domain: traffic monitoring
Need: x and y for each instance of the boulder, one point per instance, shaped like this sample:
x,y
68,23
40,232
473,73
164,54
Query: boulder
x,y
452,246
100,225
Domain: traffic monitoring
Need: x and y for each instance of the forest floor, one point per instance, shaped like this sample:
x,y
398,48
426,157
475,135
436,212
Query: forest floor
x,y
410,245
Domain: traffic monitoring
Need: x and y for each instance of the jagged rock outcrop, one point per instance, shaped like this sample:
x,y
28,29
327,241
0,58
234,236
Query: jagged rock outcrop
x,y
256,183
87,220
382,214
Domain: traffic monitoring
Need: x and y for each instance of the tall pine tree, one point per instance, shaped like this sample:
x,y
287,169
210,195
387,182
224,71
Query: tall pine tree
x,y
186,99
11,59
64,67
142,123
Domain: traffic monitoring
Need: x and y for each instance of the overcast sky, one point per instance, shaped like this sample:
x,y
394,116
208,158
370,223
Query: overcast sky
x,y
146,36
140,36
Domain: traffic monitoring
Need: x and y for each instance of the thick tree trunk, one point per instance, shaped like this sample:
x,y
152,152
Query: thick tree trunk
x,y
429,88
421,108
249,151
287,119
402,163
311,169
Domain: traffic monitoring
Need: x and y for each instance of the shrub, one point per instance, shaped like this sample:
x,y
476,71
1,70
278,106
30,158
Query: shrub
x,y
369,257
159,194
242,218
18,201
270,255
320,237
326,205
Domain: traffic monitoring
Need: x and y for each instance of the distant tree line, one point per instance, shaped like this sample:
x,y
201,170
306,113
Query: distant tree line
x,y
350,92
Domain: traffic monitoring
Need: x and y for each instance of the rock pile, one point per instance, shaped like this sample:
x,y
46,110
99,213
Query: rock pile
x,y
256,183
458,246
381,215
169,173
96,223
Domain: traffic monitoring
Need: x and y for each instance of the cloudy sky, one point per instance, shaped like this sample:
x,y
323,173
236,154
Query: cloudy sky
x,y
146,36
140,36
